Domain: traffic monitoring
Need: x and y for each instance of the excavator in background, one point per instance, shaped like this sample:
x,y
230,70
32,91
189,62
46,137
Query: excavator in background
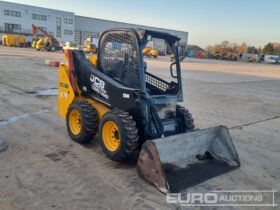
x,y
34,42
115,96
47,42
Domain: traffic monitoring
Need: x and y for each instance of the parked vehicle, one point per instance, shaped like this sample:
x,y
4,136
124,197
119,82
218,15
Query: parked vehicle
x,y
117,98
89,47
149,52
13,40
71,46
48,42
271,59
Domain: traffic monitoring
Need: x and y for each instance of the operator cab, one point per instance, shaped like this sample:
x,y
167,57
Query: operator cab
x,y
140,59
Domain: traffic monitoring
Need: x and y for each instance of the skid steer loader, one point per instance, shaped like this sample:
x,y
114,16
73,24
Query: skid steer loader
x,y
114,95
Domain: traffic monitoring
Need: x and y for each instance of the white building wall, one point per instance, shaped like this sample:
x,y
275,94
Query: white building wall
x,y
81,26
26,21
98,25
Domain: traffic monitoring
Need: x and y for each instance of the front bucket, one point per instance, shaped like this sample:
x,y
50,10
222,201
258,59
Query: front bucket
x,y
176,162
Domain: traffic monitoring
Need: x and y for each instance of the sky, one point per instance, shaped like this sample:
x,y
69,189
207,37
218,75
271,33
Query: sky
x,y
208,22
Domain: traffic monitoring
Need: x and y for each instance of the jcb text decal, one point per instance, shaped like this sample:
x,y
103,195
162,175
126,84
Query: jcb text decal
x,y
98,86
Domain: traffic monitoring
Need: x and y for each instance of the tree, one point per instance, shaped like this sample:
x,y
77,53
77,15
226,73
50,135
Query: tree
x,y
252,50
227,47
217,48
242,48
268,49
234,48
276,48
224,46
210,50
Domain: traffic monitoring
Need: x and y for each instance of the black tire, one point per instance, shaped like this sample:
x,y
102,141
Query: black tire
x,y
128,135
89,121
186,118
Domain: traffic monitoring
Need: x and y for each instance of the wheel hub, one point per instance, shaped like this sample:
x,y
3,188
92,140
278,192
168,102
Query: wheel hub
x,y
75,122
111,135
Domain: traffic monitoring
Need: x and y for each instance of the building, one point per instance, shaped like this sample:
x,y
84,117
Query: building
x,y
65,26
18,18
86,26
194,51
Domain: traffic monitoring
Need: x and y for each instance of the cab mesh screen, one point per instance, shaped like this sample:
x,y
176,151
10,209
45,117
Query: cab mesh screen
x,y
156,82
119,58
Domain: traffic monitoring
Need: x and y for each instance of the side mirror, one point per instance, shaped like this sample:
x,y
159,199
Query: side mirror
x,y
171,70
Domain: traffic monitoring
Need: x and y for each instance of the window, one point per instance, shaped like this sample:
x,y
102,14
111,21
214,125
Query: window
x,y
12,13
10,27
58,32
58,26
68,21
17,27
118,58
39,17
155,83
68,32
58,21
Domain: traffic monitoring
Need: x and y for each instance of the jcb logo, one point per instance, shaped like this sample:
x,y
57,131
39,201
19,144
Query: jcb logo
x,y
100,84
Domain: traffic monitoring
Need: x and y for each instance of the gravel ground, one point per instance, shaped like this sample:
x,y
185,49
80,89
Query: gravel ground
x,y
44,169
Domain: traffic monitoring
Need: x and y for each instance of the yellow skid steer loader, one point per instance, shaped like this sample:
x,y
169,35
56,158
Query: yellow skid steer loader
x,y
131,107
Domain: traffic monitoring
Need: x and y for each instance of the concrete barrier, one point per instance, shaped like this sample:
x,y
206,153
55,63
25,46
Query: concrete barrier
x,y
53,63
47,62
